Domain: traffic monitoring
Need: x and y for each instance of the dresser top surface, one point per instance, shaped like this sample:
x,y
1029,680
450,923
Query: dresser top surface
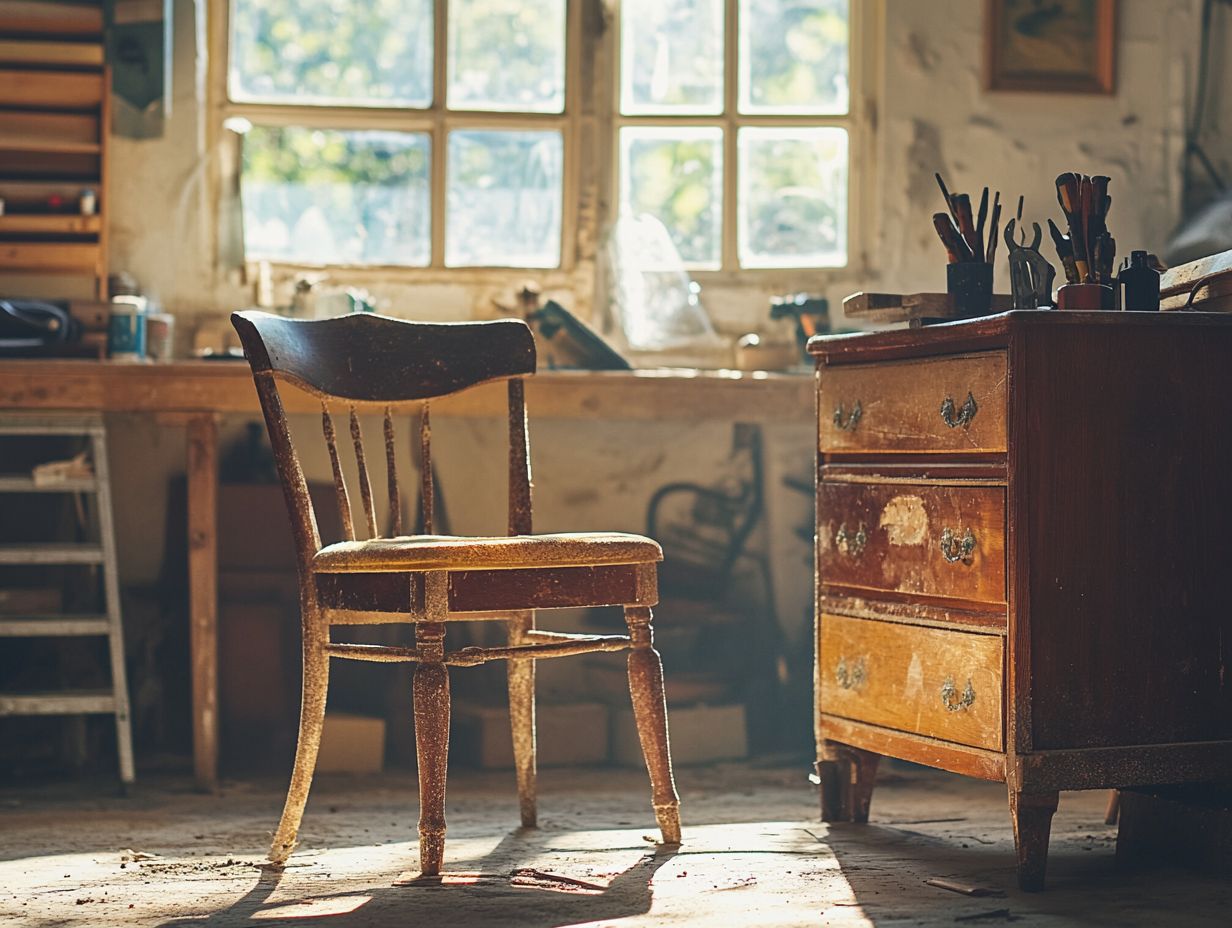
x,y
987,332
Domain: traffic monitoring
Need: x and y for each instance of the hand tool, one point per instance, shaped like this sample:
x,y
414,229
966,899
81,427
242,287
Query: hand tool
x,y
1065,252
1031,275
992,231
949,203
1068,195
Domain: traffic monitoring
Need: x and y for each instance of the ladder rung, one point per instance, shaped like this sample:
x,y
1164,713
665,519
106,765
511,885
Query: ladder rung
x,y
14,484
64,702
65,624
51,554
58,425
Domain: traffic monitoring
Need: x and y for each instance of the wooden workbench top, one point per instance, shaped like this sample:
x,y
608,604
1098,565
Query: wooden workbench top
x,y
226,387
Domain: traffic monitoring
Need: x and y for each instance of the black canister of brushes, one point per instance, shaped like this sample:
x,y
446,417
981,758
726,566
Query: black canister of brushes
x,y
969,284
1138,284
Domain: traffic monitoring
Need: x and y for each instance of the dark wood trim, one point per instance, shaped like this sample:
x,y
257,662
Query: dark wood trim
x,y
973,762
974,473
1140,765
911,611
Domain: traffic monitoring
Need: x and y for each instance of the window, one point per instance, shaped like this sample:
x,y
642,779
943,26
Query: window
x,y
400,132
734,119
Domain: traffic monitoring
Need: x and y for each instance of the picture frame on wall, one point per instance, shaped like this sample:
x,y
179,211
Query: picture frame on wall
x,y
1050,46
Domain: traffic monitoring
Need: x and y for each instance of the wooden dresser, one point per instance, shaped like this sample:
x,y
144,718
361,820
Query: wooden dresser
x,y
1024,545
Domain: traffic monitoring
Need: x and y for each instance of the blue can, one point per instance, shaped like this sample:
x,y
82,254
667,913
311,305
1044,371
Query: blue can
x,y
126,329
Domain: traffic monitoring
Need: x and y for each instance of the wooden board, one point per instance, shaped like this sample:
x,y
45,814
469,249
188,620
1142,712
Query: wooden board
x,y
32,51
891,537
926,681
38,17
1214,274
81,257
68,90
27,131
901,406
50,224
909,307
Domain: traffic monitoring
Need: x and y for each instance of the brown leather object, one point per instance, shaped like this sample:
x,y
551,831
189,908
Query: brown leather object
x,y
446,552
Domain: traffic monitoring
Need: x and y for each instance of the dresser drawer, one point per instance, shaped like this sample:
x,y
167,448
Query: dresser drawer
x,y
950,405
927,681
933,539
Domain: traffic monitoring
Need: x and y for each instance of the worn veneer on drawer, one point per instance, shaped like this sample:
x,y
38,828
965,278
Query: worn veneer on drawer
x,y
941,683
944,540
930,406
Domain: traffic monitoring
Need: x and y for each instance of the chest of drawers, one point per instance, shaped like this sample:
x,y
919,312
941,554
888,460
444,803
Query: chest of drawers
x,y
1024,527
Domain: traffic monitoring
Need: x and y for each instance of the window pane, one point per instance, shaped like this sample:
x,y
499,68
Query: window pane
x,y
793,197
326,197
671,56
504,199
358,52
676,175
793,56
507,55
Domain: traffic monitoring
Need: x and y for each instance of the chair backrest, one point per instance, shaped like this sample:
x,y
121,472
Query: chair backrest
x,y
369,359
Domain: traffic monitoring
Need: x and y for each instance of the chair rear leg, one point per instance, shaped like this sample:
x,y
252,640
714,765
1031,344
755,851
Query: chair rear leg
x,y
650,712
311,722
522,719
431,694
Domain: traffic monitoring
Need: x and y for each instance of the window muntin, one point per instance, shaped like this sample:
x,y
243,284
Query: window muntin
x,y
770,187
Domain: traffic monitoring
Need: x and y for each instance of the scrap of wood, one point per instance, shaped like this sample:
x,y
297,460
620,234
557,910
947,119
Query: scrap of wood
x,y
527,876
965,889
1004,915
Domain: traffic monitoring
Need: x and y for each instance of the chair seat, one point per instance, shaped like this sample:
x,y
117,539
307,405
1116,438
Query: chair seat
x,y
457,552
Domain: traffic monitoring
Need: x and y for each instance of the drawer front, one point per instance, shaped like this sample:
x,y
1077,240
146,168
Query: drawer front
x,y
940,405
931,539
927,681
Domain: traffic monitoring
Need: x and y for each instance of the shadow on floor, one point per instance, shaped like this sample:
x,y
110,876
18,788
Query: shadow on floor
x,y
468,894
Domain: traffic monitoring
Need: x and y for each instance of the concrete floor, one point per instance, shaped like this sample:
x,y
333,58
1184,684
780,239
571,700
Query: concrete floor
x,y
70,855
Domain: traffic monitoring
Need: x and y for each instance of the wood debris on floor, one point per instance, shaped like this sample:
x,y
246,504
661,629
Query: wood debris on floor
x,y
754,854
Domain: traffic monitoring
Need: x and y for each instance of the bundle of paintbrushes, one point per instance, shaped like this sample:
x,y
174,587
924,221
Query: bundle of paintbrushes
x,y
1088,252
961,233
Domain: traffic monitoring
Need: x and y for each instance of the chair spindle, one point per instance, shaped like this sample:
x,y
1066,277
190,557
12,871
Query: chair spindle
x,y
391,470
519,461
427,490
365,485
340,487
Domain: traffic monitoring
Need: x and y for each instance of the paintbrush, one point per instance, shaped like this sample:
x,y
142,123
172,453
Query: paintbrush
x,y
955,248
992,229
949,202
979,224
966,225
1065,252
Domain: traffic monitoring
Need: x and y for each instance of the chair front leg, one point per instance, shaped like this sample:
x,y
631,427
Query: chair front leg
x,y
522,719
650,712
431,697
311,723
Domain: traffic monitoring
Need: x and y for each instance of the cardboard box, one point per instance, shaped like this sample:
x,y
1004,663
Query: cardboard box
x,y
699,735
566,735
351,744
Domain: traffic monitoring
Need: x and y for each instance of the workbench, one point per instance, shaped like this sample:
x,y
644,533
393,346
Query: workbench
x,y
194,394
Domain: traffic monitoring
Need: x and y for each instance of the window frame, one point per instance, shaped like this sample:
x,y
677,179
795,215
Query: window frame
x,y
436,121
864,21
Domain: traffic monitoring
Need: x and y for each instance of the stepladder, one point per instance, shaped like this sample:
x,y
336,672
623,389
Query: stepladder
x,y
91,562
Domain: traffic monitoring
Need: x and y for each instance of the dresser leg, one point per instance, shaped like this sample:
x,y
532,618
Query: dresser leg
x,y
847,775
1032,815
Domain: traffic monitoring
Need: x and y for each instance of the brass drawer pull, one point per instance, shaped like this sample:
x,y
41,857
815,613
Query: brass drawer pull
x,y
851,545
850,678
954,549
949,691
853,419
965,414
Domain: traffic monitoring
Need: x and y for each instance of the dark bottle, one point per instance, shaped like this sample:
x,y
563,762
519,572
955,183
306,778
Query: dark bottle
x,y
1138,284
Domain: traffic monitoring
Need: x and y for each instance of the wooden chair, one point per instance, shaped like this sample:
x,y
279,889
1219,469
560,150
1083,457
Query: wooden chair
x,y
372,362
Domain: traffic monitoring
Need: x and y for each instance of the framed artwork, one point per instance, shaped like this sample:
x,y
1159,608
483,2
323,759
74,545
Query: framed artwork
x,y
1052,46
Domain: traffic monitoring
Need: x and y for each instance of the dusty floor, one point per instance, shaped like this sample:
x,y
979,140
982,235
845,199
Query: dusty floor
x,y
754,855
